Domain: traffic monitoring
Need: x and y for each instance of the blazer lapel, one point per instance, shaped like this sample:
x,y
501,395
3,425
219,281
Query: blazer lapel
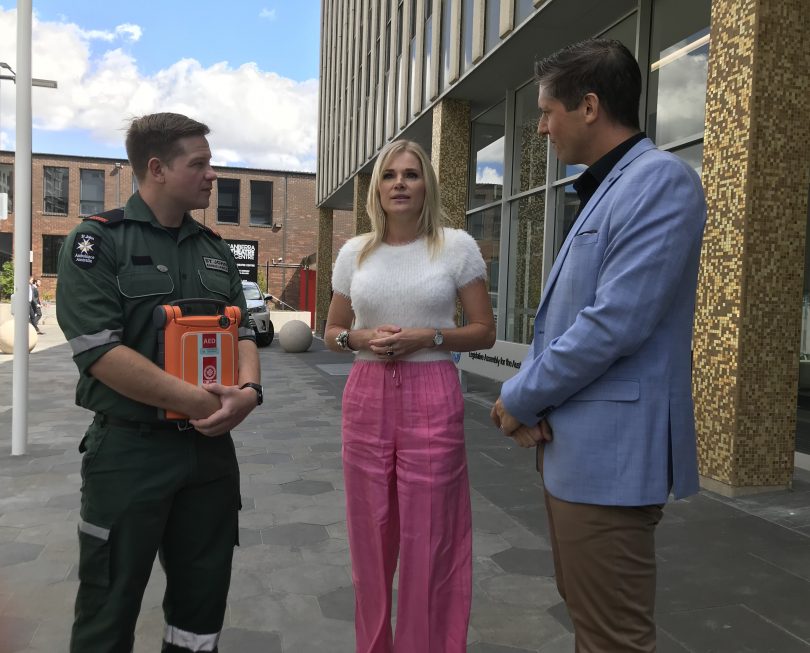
x,y
638,149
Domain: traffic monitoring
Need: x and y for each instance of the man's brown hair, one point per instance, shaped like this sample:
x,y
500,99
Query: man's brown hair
x,y
157,135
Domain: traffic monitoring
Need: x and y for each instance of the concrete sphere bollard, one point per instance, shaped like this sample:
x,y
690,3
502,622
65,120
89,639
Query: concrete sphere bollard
x,y
295,337
7,337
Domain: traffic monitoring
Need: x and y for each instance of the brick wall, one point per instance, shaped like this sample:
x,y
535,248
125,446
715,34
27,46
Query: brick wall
x,y
293,208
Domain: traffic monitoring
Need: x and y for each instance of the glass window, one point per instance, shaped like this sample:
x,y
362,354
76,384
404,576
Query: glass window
x,y
523,9
228,200
426,75
624,31
445,68
51,245
679,56
528,219
492,26
261,202
399,97
693,155
413,91
7,183
467,12
530,149
485,227
91,192
56,190
487,152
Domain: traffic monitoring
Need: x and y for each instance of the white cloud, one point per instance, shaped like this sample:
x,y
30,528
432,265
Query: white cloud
x,y
128,31
487,175
269,14
257,118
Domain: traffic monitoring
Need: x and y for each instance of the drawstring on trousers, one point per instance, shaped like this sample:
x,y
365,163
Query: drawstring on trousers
x,y
396,373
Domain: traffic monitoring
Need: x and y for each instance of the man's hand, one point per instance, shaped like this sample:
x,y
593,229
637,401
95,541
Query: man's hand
x,y
236,405
502,419
531,436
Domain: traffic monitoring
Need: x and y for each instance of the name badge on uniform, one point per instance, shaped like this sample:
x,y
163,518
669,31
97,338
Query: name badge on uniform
x,y
86,249
215,264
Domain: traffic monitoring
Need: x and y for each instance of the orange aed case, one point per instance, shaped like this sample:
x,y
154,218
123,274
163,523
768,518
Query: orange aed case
x,y
198,348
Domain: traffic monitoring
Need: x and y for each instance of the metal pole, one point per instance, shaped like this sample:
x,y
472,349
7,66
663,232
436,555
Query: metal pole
x,y
22,231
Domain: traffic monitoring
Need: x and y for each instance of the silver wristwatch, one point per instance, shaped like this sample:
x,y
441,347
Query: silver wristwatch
x,y
438,338
342,340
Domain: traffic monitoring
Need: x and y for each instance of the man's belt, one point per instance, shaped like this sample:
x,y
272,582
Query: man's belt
x,y
109,420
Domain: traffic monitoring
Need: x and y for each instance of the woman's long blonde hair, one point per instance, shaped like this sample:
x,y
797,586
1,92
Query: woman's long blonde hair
x,y
429,224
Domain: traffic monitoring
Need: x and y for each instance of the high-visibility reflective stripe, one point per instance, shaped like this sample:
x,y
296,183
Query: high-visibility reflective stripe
x,y
244,332
81,344
95,531
190,641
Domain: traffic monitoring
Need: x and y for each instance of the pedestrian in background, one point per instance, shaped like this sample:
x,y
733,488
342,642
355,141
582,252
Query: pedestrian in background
x,y
152,486
35,305
404,459
606,386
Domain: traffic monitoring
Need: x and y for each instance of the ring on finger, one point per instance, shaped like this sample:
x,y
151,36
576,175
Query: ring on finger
x,y
390,352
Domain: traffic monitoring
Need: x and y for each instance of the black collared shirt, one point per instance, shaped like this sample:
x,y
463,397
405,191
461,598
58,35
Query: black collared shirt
x,y
587,183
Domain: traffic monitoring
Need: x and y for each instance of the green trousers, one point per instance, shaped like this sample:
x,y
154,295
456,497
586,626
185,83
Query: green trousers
x,y
147,491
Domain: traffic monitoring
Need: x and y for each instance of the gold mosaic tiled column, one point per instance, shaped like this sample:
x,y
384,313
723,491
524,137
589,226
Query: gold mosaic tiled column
x,y
755,172
450,154
324,275
362,223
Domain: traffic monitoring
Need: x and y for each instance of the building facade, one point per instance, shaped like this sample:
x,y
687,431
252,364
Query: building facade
x,y
270,218
725,88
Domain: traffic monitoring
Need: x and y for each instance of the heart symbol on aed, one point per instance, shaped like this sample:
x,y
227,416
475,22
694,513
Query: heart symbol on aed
x,y
210,372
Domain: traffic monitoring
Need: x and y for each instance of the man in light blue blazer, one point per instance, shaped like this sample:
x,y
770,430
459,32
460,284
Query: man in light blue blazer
x,y
606,386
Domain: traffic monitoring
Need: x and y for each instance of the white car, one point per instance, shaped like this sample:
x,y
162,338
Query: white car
x,y
258,314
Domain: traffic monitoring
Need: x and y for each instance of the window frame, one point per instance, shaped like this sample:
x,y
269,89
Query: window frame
x,y
269,195
236,209
46,197
82,201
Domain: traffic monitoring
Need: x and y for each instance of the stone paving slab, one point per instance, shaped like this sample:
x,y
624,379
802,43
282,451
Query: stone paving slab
x,y
734,574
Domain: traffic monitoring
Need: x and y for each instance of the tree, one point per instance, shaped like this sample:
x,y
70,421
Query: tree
x,y
6,280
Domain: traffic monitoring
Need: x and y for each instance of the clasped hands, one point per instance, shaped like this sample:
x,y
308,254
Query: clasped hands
x,y
230,406
525,436
392,341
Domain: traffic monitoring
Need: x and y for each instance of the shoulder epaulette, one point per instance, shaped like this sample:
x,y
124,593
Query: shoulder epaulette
x,y
108,218
215,234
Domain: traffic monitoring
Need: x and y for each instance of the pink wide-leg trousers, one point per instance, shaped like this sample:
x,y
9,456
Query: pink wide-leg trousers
x,y
407,495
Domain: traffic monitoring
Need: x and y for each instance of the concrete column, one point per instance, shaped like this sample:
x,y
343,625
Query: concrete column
x,y
362,223
324,275
450,153
747,324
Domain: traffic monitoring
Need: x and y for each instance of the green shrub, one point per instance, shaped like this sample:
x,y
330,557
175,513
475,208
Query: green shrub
x,y
6,280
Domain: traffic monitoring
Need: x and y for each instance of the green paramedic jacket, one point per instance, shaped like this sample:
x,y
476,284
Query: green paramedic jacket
x,y
114,269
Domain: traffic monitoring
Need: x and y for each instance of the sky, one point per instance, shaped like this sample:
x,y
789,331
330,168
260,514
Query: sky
x,y
248,69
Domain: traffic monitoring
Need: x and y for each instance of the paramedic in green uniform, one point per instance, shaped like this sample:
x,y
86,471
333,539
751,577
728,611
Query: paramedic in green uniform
x,y
148,486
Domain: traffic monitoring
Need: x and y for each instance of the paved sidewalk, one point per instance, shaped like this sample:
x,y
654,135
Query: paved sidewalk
x,y
734,574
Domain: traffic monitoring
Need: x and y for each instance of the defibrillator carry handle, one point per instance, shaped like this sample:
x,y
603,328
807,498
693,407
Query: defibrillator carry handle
x,y
159,316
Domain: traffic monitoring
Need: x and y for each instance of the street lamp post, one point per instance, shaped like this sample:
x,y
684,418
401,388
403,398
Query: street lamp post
x,y
22,224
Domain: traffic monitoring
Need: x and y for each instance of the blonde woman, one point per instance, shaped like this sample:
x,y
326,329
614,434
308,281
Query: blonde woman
x,y
404,461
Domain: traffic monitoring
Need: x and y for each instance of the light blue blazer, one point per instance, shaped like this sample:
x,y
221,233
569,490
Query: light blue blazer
x,y
610,363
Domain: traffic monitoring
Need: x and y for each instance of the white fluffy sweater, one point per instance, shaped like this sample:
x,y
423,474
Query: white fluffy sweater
x,y
405,286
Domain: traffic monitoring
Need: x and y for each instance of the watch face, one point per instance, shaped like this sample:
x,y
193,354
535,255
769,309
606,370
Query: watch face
x,y
438,338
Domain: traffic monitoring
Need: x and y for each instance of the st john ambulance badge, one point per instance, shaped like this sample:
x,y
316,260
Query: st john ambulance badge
x,y
86,248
